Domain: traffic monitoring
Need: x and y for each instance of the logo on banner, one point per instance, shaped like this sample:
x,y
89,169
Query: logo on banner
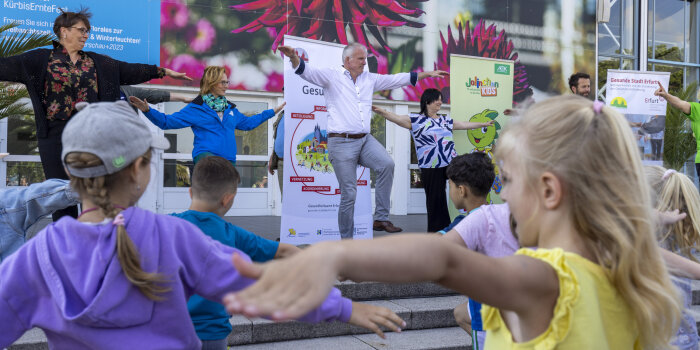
x,y
319,232
618,102
503,69
485,87
292,232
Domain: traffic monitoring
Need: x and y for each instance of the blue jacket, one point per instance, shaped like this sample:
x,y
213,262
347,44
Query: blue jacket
x,y
211,133
21,207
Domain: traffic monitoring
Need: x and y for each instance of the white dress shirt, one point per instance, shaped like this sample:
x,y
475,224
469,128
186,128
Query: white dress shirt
x,y
349,103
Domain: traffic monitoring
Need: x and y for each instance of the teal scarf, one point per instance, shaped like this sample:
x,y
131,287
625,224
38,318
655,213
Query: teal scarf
x,y
218,104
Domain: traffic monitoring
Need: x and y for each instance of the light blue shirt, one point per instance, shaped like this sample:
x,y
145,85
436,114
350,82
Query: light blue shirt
x,y
279,140
21,207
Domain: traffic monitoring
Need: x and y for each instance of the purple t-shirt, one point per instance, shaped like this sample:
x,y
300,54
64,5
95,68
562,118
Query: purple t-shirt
x,y
487,231
68,282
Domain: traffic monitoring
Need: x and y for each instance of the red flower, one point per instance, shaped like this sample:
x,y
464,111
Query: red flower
x,y
309,19
483,42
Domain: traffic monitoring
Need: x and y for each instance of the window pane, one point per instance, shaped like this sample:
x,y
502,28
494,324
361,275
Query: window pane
x,y
415,179
676,81
378,130
253,174
605,63
24,173
176,173
609,38
668,29
254,141
21,136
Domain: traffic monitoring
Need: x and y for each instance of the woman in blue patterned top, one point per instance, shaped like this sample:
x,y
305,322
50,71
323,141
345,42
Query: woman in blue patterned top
x,y
432,135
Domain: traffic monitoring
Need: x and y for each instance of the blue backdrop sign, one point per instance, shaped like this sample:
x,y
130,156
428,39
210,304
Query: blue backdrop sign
x,y
127,30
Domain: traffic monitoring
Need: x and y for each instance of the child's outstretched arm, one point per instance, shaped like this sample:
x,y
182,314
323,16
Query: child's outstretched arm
x,y
372,317
291,287
680,266
285,250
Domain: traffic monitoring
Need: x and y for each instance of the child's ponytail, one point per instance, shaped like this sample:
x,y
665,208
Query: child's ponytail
x,y
97,189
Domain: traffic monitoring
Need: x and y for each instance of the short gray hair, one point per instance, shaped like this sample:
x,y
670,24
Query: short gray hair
x,y
350,48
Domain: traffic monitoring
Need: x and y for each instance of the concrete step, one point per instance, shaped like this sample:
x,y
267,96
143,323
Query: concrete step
x,y
384,291
452,338
419,313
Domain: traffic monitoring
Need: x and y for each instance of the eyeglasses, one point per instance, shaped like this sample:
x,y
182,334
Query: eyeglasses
x,y
82,30
224,82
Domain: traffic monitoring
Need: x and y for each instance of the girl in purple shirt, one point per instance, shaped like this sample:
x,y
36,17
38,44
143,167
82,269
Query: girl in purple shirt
x,y
119,277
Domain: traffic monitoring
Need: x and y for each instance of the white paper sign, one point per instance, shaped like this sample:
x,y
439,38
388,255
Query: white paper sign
x,y
632,92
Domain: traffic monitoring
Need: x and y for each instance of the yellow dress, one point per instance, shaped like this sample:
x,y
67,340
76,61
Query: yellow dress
x,y
589,313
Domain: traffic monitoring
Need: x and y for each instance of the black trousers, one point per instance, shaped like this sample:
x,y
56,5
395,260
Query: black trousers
x,y
434,180
50,149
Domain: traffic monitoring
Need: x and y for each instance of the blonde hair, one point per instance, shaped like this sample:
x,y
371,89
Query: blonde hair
x,y
596,159
677,191
210,78
97,189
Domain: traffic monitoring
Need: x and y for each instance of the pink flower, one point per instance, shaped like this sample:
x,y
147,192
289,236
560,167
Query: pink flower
x,y
201,36
187,64
173,14
309,19
483,42
275,82
164,56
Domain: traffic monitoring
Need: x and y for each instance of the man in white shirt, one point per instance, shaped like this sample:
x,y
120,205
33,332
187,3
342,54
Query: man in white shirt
x,y
348,91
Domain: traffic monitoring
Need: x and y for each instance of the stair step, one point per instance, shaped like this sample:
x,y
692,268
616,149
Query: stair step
x,y
419,313
378,290
452,338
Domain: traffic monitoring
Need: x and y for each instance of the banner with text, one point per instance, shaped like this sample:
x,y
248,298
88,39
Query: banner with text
x,y
311,194
126,30
632,92
481,91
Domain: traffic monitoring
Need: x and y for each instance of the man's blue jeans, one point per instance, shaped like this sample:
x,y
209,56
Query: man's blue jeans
x,y
20,208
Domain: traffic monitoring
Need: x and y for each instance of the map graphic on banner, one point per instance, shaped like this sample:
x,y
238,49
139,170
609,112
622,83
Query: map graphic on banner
x,y
481,90
311,193
126,30
632,92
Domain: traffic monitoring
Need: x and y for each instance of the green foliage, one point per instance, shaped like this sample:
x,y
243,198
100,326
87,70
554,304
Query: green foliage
x,y
679,142
11,45
403,58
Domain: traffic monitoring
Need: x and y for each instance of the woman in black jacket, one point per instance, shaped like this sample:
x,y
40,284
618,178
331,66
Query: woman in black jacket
x,y
58,78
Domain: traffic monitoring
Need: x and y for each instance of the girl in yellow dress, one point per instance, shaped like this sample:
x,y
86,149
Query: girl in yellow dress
x,y
574,184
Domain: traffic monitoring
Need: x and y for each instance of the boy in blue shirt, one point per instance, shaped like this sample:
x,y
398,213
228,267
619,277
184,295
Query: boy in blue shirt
x,y
214,186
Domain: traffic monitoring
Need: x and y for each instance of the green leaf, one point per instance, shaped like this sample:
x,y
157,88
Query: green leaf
x,y
679,142
20,42
12,44
403,57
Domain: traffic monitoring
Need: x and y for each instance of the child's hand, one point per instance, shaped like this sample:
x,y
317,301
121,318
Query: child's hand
x,y
286,289
371,317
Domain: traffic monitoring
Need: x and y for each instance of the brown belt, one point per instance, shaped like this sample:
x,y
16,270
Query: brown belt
x,y
346,135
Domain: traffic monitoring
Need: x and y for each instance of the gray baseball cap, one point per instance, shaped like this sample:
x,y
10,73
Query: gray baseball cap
x,y
112,131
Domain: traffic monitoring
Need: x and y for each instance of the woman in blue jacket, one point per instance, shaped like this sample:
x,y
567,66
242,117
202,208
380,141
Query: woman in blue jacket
x,y
213,119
